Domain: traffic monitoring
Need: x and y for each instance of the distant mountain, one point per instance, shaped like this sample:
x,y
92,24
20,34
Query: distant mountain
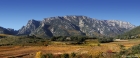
x,y
8,31
74,25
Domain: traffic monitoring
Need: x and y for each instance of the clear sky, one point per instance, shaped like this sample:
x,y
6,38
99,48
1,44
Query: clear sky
x,y
16,13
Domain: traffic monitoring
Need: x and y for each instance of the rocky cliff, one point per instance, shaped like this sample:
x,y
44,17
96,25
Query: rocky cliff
x,y
74,25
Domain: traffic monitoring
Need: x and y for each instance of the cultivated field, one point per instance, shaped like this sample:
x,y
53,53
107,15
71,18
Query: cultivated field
x,y
92,47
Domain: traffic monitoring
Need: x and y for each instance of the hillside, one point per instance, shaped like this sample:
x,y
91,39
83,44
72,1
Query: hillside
x,y
134,33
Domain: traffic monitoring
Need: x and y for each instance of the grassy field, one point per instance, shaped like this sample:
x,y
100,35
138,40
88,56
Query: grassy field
x,y
91,47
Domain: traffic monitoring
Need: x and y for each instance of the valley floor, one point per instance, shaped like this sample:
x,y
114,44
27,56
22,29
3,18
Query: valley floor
x,y
93,49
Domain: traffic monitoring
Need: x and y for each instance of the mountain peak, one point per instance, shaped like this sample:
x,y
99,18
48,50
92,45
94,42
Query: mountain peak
x,y
76,16
122,24
31,26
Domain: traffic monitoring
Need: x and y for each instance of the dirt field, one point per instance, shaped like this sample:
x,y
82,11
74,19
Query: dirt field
x,y
92,49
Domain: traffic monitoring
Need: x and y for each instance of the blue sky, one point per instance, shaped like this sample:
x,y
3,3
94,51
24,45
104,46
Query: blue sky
x,y
16,13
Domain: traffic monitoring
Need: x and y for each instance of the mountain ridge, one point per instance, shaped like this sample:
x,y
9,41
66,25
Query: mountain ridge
x,y
74,25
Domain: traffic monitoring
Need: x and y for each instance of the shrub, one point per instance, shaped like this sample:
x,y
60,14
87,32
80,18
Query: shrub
x,y
99,44
38,54
53,38
73,54
49,55
65,55
105,39
109,51
57,56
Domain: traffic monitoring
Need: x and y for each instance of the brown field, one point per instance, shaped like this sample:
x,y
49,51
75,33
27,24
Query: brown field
x,y
3,35
59,48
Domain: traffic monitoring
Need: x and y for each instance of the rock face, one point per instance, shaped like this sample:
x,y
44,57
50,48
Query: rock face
x,y
30,27
74,25
70,26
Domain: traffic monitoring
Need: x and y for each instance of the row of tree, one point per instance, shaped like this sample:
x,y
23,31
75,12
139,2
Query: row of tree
x,y
105,39
77,39
81,39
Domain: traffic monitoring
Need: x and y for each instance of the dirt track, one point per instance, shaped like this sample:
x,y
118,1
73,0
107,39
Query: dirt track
x,y
17,51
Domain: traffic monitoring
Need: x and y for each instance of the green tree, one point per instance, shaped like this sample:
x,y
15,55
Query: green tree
x,y
49,55
65,55
53,38
73,54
